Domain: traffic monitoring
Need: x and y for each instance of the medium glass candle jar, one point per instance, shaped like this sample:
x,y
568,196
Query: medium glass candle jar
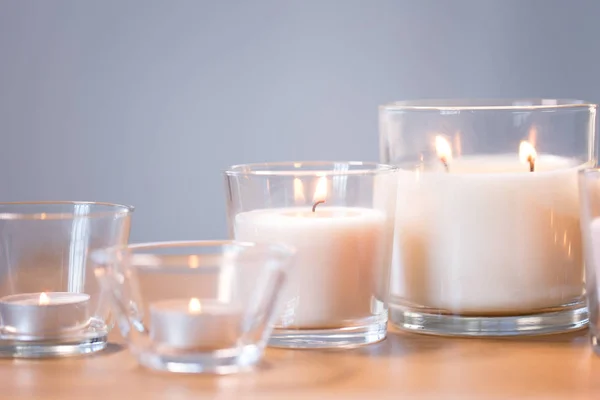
x,y
50,302
487,223
339,216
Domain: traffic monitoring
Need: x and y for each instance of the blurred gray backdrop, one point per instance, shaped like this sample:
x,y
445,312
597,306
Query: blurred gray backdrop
x,y
145,102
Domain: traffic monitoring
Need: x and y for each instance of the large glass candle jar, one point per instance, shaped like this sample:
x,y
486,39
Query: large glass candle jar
x,y
487,223
339,217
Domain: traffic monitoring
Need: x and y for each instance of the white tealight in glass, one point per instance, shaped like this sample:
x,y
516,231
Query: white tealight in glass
x,y
487,224
50,303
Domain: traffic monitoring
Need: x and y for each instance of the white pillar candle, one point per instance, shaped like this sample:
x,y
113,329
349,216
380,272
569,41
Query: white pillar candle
x,y
186,324
339,250
489,236
44,314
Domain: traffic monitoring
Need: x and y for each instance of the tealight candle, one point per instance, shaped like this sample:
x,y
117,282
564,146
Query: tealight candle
x,y
194,324
44,314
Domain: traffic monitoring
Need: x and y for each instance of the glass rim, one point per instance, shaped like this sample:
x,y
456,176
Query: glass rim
x,y
589,171
297,168
119,209
149,260
481,104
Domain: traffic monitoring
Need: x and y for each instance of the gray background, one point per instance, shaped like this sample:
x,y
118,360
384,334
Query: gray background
x,y
145,102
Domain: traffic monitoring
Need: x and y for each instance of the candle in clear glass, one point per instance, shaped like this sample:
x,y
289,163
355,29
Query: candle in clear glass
x,y
44,248
490,232
205,307
339,218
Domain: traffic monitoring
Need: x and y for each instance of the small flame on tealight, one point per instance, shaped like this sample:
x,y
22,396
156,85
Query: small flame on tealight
x,y
443,150
299,191
194,306
320,192
194,261
527,154
44,299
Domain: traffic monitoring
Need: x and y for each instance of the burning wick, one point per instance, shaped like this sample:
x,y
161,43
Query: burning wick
x,y
531,161
314,208
443,150
320,193
443,160
527,154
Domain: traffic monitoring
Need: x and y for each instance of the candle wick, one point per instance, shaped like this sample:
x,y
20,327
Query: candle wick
x,y
314,207
531,163
445,162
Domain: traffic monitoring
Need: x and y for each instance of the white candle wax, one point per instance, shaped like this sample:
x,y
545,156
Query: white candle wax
x,y
194,324
44,314
339,251
489,236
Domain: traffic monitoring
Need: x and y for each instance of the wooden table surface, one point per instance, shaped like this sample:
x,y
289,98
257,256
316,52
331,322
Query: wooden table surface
x,y
403,366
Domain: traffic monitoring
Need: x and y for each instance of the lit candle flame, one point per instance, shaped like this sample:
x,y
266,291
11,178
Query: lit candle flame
x,y
527,154
443,150
320,192
44,299
194,306
194,261
299,191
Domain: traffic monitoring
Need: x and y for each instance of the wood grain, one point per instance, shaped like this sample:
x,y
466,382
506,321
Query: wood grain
x,y
403,366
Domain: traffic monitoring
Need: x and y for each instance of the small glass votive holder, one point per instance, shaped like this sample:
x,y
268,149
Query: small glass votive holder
x,y
589,192
488,239
195,307
50,303
339,216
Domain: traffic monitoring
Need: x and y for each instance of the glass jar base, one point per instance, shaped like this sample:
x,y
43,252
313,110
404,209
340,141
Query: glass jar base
x,y
220,362
91,339
345,337
560,320
595,341
41,349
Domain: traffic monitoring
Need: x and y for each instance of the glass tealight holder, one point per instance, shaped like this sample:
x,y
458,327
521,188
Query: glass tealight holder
x,y
50,303
488,235
589,190
339,216
195,307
